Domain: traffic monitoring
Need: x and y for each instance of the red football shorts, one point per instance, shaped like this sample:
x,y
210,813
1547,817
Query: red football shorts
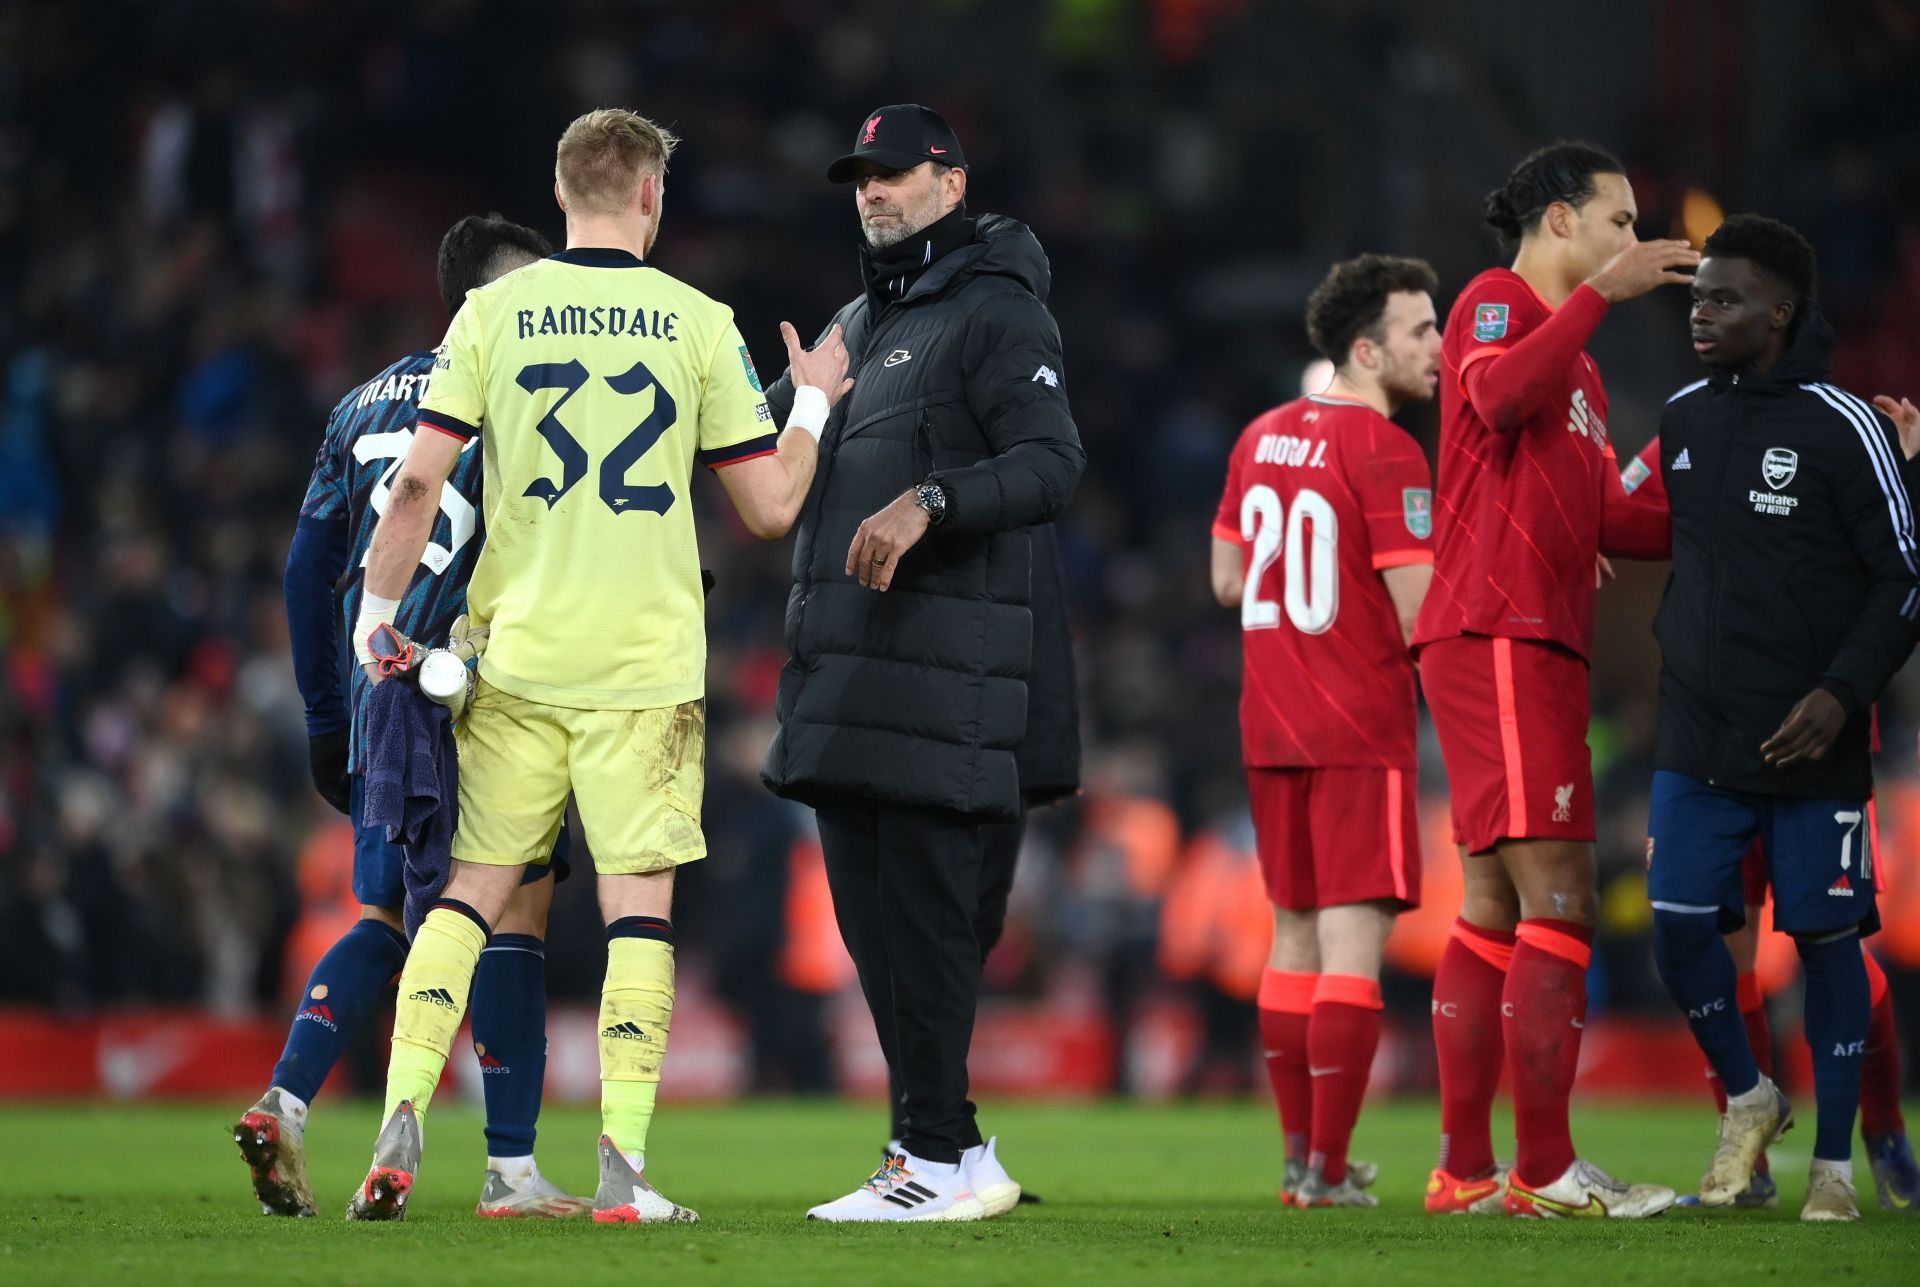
x,y
1336,835
1512,720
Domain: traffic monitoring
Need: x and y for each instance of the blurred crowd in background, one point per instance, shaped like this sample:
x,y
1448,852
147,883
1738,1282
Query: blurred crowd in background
x,y
217,218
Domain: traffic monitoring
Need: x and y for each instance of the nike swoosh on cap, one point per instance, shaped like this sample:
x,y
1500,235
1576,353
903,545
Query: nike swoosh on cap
x,y
937,151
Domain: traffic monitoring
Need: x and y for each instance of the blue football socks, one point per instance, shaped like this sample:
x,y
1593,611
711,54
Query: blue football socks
x,y
1699,974
1837,1011
343,987
509,1013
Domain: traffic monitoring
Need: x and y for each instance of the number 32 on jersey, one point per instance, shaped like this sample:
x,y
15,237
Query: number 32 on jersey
x,y
1309,538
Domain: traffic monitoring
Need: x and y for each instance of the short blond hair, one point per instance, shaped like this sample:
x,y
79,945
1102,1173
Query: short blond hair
x,y
603,156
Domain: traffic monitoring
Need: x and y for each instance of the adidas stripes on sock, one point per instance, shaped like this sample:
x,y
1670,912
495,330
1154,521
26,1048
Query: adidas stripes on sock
x,y
636,1008
433,997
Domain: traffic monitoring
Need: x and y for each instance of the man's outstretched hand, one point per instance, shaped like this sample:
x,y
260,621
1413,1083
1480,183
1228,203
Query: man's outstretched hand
x,y
823,367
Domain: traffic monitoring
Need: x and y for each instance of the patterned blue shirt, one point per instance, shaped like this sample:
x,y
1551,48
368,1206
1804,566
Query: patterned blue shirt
x,y
367,438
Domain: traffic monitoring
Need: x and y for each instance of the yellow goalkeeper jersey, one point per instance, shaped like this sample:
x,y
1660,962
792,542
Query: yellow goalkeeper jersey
x,y
594,382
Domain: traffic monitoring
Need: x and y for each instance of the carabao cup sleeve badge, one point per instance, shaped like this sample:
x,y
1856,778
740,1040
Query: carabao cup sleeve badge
x,y
1416,503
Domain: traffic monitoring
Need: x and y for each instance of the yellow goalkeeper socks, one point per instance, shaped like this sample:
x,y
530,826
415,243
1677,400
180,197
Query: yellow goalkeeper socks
x,y
636,1007
433,996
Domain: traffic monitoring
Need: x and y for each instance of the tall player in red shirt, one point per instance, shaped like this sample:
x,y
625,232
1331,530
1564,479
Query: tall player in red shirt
x,y
1529,501
1322,543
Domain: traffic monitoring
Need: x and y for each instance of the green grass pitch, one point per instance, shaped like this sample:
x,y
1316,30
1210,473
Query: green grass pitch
x,y
99,1193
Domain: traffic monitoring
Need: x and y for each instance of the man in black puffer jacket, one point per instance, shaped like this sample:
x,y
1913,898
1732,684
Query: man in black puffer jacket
x,y
904,703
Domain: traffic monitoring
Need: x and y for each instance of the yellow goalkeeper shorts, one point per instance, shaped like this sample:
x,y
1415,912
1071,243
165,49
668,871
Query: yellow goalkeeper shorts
x,y
638,777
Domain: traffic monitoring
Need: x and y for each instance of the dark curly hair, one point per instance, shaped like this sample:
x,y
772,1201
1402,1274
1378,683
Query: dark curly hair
x,y
480,248
1559,172
1353,299
1771,246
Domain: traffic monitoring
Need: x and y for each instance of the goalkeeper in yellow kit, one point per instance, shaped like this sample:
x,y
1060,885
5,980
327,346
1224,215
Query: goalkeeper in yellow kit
x,y
594,383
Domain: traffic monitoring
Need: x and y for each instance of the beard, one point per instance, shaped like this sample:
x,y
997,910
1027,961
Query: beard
x,y
1406,384
905,222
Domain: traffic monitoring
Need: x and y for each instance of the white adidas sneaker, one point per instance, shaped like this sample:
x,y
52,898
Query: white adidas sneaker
x,y
905,1188
998,1192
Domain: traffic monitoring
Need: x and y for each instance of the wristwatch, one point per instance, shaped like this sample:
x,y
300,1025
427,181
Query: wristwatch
x,y
931,497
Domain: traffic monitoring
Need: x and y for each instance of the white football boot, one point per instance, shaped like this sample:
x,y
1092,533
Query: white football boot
x,y
1314,1191
1830,1194
625,1197
396,1161
272,1138
907,1189
1583,1192
523,1193
1752,1123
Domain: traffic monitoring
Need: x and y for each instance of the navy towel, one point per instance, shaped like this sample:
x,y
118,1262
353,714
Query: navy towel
x,y
413,787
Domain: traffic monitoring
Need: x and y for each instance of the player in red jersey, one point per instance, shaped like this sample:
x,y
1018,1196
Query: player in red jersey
x,y
1322,542
1529,501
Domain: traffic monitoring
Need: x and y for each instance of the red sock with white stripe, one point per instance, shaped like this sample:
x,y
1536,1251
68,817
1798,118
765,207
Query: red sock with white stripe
x,y
1545,1008
1286,1002
1469,1043
1342,1035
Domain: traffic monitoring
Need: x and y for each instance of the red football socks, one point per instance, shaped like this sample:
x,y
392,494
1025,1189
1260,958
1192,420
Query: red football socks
x,y
1286,1002
1469,1042
1880,1073
1342,1035
1545,1004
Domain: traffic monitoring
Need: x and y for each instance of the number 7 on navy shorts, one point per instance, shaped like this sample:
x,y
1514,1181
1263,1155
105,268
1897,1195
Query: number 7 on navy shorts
x,y
1819,852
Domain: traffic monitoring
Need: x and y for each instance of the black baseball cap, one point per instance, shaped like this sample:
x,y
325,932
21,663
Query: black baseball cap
x,y
900,137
